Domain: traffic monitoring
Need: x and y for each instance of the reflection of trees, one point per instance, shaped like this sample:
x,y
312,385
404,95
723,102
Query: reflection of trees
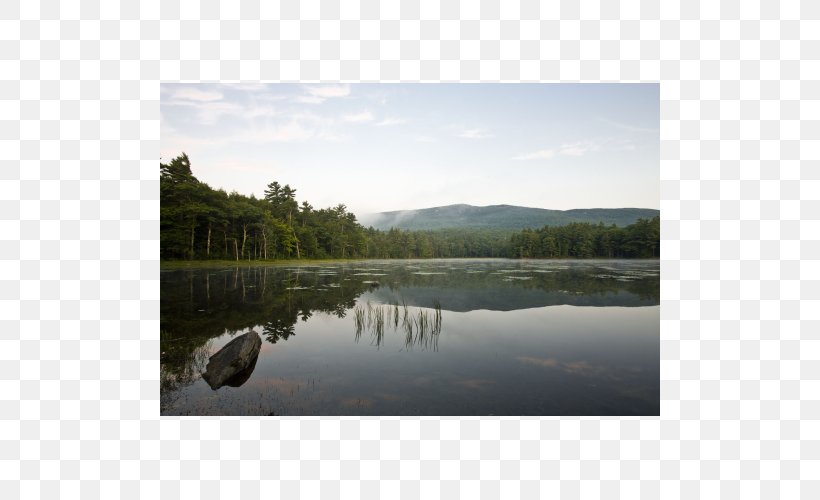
x,y
576,279
581,280
182,362
197,306
276,329
207,303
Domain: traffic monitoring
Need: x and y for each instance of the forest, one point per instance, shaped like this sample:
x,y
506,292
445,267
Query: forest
x,y
198,222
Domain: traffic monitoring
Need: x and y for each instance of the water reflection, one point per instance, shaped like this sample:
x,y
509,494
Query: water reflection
x,y
402,306
420,328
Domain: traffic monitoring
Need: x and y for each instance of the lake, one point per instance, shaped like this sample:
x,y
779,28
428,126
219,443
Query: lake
x,y
417,337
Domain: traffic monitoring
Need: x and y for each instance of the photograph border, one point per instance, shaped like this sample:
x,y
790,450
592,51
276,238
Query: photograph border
x,y
79,369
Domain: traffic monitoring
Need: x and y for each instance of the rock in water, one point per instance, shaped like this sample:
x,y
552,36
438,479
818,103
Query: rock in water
x,y
238,357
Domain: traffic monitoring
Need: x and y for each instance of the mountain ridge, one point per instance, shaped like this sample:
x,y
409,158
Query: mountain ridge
x,y
503,216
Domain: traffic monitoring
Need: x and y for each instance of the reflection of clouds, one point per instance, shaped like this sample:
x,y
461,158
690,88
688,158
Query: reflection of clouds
x,y
423,380
582,367
573,367
545,362
280,384
475,383
268,347
387,397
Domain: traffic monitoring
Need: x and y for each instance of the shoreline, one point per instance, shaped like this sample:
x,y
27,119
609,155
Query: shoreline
x,y
191,264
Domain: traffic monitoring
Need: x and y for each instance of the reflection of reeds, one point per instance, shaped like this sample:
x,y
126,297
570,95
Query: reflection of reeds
x,y
408,338
359,319
436,322
421,329
378,322
369,314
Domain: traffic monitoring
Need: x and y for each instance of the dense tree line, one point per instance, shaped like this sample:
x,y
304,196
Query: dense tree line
x,y
581,240
199,222
438,243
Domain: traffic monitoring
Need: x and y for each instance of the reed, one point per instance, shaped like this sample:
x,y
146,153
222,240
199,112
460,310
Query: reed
x,y
359,321
422,321
408,328
421,328
378,328
437,318
369,315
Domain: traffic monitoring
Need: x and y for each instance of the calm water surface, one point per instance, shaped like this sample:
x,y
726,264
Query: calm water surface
x,y
431,337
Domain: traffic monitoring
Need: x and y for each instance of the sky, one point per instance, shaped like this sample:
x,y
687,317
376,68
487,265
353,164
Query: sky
x,y
382,147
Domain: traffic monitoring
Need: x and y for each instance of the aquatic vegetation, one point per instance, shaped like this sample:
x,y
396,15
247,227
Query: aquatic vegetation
x,y
359,321
378,329
421,328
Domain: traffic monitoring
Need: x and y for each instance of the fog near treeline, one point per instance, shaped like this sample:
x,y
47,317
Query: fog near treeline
x,y
198,222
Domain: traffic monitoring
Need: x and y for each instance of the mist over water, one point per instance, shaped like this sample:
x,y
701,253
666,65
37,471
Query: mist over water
x,y
427,337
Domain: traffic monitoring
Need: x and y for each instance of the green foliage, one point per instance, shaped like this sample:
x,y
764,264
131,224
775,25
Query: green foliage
x,y
198,222
440,243
580,240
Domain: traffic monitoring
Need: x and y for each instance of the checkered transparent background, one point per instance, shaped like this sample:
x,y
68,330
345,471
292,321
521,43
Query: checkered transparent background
x,y
79,241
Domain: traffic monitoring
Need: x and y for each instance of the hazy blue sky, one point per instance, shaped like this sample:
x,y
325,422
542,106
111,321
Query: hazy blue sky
x,y
379,147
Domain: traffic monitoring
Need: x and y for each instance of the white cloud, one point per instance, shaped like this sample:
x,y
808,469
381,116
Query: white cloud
x,y
328,91
298,128
210,112
213,112
193,94
574,149
579,148
628,127
544,154
246,87
363,117
309,99
293,131
475,133
387,122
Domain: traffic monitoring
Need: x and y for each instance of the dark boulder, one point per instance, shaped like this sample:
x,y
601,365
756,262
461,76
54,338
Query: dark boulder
x,y
233,364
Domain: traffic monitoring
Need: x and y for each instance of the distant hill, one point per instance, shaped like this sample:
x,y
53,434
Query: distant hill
x,y
502,217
